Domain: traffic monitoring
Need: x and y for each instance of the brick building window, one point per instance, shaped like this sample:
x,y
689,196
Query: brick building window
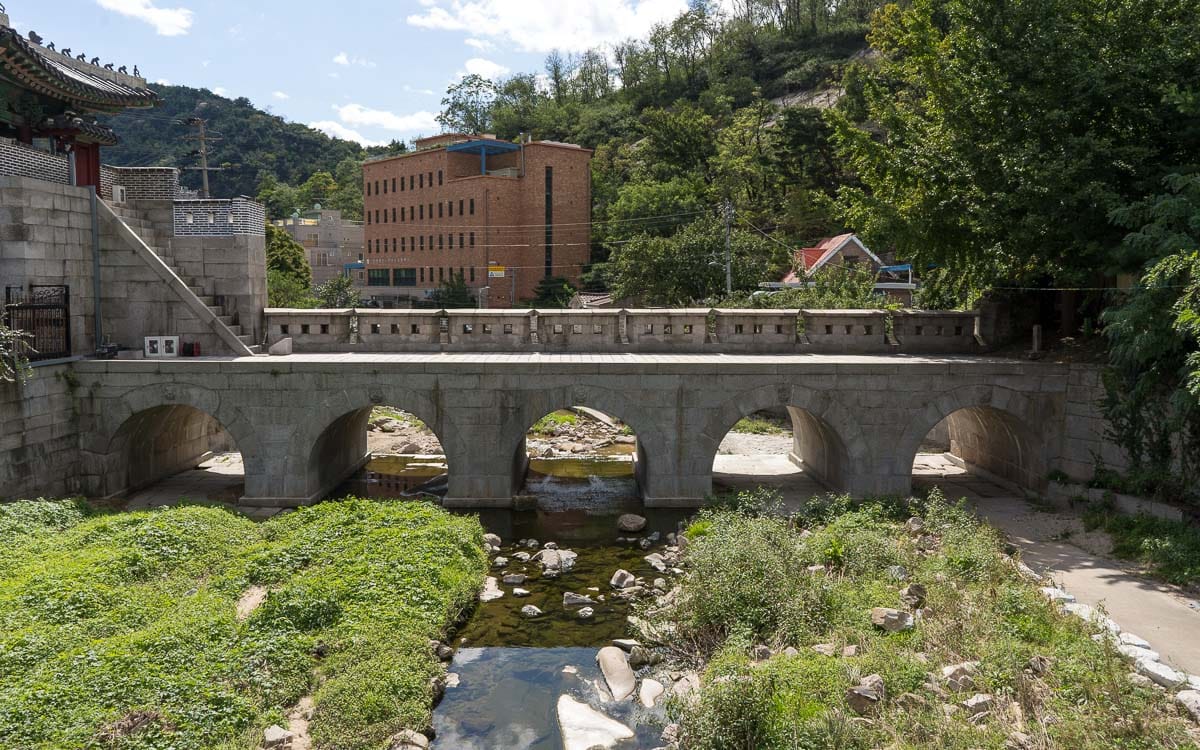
x,y
421,182
431,210
431,242
385,221
472,239
393,244
393,184
439,177
368,188
393,213
439,209
472,274
460,240
422,281
441,273
402,184
404,277
431,178
422,211
385,187
422,242
450,240
368,217
376,187
410,182
450,208
377,216
472,206
460,206
403,244
441,237
378,277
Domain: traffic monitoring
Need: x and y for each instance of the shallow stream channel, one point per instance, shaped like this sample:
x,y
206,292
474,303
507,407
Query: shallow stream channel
x,y
525,670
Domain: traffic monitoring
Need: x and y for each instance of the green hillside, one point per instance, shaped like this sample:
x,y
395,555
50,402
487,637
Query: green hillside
x,y
255,142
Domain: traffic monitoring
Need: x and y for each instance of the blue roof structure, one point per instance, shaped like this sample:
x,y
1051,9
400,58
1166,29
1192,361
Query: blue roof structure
x,y
483,147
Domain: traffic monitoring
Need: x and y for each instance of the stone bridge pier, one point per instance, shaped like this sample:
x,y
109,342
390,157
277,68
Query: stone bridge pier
x,y
300,421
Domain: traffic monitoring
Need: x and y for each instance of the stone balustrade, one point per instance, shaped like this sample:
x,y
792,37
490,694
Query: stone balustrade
x,y
689,330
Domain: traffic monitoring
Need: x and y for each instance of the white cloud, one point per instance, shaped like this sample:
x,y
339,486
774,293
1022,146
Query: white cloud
x,y
205,63
486,68
338,130
342,58
411,90
364,117
166,21
482,45
220,91
543,25
280,95
163,82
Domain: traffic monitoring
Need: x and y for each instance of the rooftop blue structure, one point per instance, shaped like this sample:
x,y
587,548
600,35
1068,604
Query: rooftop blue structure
x,y
483,147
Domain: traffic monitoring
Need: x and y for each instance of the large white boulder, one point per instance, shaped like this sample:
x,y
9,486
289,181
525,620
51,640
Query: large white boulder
x,y
617,672
584,728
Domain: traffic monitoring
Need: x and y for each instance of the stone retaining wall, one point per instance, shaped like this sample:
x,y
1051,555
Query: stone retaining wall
x,y
39,441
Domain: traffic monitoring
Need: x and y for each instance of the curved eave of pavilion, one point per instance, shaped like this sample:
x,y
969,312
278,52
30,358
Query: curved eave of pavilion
x,y
29,67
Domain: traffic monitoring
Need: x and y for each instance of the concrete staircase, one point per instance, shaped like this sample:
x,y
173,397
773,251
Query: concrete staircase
x,y
159,243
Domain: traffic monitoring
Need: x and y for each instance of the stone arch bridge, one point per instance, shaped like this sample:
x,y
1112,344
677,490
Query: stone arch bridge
x,y
300,420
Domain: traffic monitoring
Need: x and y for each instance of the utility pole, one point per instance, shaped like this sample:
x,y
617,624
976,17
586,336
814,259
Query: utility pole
x,y
728,253
204,138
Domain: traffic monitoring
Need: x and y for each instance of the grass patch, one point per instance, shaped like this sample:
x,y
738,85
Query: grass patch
x,y
120,631
555,419
757,424
750,581
387,412
1169,549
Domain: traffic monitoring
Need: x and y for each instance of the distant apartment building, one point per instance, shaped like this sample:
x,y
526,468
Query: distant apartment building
x,y
334,245
464,204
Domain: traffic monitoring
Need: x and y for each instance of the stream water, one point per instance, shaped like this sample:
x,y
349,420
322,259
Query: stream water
x,y
509,670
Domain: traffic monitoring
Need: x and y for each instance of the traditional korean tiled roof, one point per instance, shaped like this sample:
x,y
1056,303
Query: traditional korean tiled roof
x,y
84,129
87,88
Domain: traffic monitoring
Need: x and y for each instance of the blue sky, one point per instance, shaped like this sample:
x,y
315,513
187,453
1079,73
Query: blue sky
x,y
367,70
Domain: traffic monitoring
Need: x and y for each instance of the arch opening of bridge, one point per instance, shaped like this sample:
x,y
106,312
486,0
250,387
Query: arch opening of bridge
x,y
784,447
578,456
171,452
378,450
981,450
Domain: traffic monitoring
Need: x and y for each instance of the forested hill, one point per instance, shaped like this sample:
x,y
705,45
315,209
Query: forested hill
x,y
254,141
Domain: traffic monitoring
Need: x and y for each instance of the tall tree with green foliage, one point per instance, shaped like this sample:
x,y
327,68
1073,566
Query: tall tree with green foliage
x,y
1000,135
689,266
454,292
467,106
338,292
289,276
1153,333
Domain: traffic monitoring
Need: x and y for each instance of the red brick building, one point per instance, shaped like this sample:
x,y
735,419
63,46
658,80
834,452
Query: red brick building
x,y
462,203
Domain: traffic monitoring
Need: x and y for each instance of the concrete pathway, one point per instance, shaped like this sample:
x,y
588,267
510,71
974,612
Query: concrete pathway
x,y
1056,544
219,479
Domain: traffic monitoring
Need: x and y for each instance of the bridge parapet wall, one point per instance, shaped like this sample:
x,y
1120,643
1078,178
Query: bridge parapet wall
x,y
651,330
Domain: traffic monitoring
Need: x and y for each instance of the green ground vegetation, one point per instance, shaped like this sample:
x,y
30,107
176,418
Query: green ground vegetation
x,y
1170,550
761,424
388,412
748,582
122,630
547,424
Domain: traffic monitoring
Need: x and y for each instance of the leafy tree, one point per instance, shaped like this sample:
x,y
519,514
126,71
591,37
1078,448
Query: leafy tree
x,y
678,140
1153,379
833,288
287,290
287,256
318,189
338,292
690,265
467,106
553,291
1000,135
454,292
279,198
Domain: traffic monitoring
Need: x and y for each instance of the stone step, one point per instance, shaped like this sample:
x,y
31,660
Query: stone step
x,y
255,349
246,339
215,309
237,329
226,319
